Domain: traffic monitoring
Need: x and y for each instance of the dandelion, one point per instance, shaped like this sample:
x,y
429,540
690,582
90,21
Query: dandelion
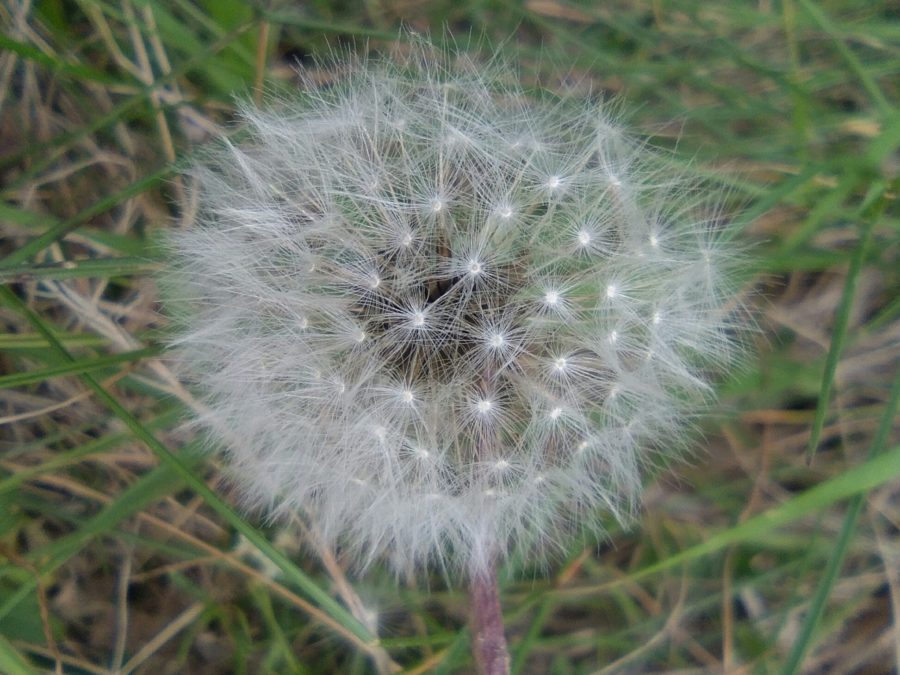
x,y
447,321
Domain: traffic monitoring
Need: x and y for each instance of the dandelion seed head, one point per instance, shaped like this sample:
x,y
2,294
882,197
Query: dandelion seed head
x,y
387,314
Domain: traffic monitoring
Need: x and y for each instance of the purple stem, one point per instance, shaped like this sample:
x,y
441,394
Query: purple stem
x,y
488,640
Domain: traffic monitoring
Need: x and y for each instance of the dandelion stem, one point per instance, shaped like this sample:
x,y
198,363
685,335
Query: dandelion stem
x,y
488,639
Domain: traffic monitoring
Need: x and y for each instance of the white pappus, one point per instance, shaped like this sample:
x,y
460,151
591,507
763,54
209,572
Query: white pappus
x,y
446,319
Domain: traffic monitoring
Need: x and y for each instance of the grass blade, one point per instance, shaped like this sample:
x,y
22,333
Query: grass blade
x,y
839,332
77,367
11,662
61,228
148,488
859,479
836,560
75,269
856,66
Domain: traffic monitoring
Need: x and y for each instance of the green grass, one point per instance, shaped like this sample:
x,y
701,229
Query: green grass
x,y
122,548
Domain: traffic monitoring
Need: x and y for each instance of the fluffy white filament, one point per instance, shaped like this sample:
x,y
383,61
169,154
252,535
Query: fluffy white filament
x,y
444,319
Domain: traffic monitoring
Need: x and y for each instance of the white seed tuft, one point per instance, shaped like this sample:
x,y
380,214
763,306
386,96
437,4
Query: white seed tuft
x,y
421,256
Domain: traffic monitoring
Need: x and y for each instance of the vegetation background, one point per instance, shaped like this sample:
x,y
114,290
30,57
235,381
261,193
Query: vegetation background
x,y
775,549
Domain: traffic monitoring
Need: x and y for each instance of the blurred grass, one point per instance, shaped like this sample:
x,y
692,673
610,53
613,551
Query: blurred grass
x,y
118,550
